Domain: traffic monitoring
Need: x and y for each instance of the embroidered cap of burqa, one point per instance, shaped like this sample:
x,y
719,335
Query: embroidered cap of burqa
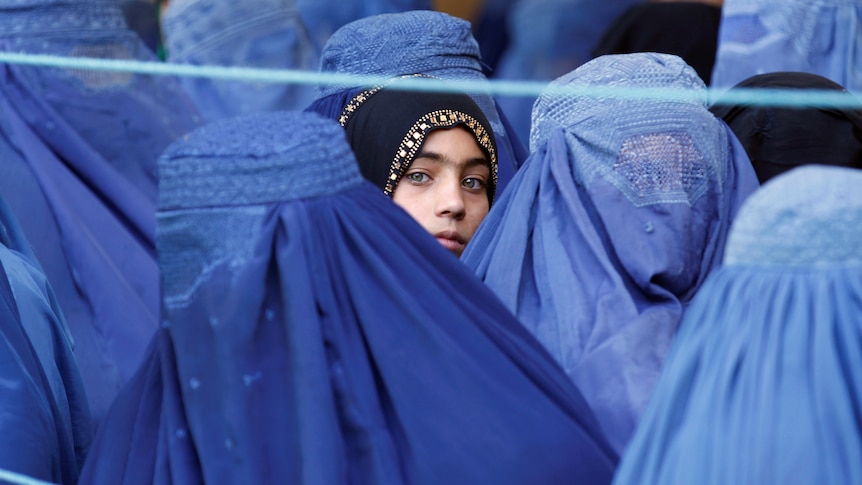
x,y
79,158
763,382
416,42
612,225
314,333
45,416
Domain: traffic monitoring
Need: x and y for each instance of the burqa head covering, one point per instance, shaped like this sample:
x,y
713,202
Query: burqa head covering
x,y
322,336
79,152
45,417
762,383
612,225
269,34
780,139
817,36
686,29
387,127
416,42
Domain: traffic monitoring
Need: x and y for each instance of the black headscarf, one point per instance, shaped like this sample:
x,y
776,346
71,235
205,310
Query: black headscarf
x,y
686,29
779,139
386,128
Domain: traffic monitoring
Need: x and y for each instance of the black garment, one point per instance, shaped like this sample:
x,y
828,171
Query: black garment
x,y
779,139
688,30
387,127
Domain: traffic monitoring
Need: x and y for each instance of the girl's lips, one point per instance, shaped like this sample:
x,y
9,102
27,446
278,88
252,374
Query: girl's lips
x,y
450,244
451,240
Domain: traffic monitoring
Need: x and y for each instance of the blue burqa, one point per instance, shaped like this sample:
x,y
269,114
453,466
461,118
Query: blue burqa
x,y
547,39
264,34
79,152
763,382
814,36
44,414
612,225
417,42
314,333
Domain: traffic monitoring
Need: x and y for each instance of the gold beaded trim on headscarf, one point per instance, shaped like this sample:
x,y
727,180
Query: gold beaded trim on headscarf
x,y
363,96
415,137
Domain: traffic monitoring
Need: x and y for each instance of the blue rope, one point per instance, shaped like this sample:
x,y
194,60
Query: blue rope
x,y
18,479
785,98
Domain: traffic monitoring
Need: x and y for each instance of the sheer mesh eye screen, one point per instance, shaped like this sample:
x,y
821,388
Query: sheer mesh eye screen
x,y
784,98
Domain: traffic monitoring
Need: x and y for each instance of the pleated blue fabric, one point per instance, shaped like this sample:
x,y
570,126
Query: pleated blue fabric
x,y
762,384
79,152
44,414
415,42
612,225
314,333
814,36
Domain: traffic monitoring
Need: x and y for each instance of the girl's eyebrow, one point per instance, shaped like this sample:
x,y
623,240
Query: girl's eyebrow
x,y
438,158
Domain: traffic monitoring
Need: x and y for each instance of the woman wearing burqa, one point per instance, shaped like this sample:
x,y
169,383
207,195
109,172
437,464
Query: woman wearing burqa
x,y
778,139
815,36
613,224
314,333
44,414
79,173
762,384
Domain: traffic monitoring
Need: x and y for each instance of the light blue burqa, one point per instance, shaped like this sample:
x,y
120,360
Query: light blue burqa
x,y
816,36
547,39
266,34
44,414
763,382
78,152
611,226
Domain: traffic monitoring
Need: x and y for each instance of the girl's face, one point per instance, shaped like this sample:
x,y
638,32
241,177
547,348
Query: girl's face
x,y
446,187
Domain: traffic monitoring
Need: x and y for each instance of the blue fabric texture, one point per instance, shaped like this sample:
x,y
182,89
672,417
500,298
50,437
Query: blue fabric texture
x,y
815,36
612,225
568,32
271,34
418,42
253,33
327,338
79,172
45,416
762,384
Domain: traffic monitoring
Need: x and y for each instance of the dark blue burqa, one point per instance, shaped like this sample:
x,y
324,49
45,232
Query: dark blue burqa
x,y
314,333
44,415
79,152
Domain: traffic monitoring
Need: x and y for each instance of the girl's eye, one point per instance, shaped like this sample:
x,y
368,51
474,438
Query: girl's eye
x,y
418,177
473,183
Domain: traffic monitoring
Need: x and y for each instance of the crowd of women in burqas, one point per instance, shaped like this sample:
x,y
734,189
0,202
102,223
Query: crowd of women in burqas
x,y
211,281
